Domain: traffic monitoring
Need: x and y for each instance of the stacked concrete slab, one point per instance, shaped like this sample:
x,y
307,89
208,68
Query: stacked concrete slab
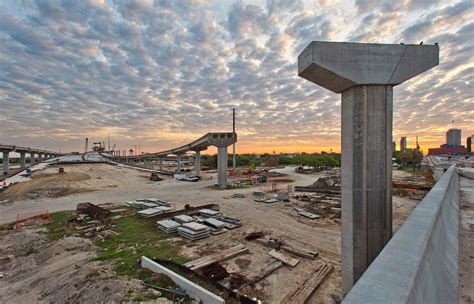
x,y
209,213
183,219
168,226
194,231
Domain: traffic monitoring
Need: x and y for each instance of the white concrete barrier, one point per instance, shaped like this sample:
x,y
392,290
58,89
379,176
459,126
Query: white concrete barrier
x,y
420,263
193,290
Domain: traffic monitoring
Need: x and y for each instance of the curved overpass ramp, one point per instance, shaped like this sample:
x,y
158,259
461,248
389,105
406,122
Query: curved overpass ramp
x,y
221,140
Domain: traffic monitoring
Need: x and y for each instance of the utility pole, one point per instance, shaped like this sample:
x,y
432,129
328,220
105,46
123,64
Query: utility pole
x,y
233,145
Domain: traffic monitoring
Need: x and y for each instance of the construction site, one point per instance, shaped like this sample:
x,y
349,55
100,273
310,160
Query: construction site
x,y
183,225
86,226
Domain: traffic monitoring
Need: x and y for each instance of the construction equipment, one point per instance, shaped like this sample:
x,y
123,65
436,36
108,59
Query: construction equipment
x,y
98,147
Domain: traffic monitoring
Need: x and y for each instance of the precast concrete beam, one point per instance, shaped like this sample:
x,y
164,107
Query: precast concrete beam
x,y
6,162
365,75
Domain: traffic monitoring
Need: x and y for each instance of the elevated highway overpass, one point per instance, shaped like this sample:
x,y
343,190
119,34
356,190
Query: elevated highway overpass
x,y
221,140
33,152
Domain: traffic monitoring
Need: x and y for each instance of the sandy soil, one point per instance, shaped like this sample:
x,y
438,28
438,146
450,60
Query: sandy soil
x,y
279,220
38,270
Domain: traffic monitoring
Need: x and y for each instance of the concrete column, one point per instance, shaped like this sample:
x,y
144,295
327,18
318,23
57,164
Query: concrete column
x,y
365,75
366,176
22,160
178,163
222,166
197,163
161,163
32,158
40,157
6,162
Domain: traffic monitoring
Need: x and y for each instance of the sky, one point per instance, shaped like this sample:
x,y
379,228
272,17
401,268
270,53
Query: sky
x,y
162,73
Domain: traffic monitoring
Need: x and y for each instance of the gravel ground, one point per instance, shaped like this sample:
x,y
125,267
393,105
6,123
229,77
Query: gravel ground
x,y
112,184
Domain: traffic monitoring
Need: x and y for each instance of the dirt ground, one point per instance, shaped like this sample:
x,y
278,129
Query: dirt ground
x,y
118,185
38,270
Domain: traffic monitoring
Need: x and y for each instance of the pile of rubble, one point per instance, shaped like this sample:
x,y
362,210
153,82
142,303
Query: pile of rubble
x,y
263,197
93,221
331,181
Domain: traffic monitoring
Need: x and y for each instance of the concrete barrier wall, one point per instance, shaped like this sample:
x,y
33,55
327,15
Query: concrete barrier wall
x,y
420,263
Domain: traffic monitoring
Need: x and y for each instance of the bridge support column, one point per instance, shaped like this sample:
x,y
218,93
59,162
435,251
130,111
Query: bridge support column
x,y
365,75
178,163
6,162
197,163
40,157
222,141
32,158
161,163
22,160
222,160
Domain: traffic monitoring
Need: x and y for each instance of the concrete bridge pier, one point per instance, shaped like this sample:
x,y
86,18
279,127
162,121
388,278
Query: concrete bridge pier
x,y
222,160
161,163
178,162
365,74
22,160
6,162
222,141
197,163
32,158
40,157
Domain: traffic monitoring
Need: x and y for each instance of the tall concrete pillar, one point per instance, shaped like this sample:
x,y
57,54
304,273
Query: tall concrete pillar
x,y
365,74
222,160
222,141
22,160
32,158
178,163
40,157
6,162
161,163
197,163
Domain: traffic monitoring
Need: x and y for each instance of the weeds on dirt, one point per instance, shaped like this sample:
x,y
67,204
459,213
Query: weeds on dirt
x,y
59,225
135,237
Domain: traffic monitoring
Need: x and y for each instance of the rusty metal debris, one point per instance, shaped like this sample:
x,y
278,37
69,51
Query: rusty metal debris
x,y
94,211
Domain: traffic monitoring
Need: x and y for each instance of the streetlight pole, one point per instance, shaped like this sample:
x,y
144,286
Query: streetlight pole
x,y
233,145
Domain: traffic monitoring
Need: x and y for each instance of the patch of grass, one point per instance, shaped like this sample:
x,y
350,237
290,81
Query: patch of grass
x,y
137,237
58,227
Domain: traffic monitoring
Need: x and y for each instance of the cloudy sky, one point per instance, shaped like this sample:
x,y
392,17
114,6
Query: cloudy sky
x,y
160,73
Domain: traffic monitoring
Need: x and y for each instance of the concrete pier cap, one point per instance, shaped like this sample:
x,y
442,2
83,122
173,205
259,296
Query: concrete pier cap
x,y
365,74
337,66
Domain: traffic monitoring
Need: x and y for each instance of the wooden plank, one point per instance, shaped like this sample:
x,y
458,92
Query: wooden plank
x,y
284,258
303,292
289,249
218,257
264,271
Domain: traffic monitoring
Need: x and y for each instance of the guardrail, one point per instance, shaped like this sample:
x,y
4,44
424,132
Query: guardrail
x,y
420,263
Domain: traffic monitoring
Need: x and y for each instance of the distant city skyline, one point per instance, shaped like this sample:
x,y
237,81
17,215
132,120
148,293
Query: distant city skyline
x,y
162,74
